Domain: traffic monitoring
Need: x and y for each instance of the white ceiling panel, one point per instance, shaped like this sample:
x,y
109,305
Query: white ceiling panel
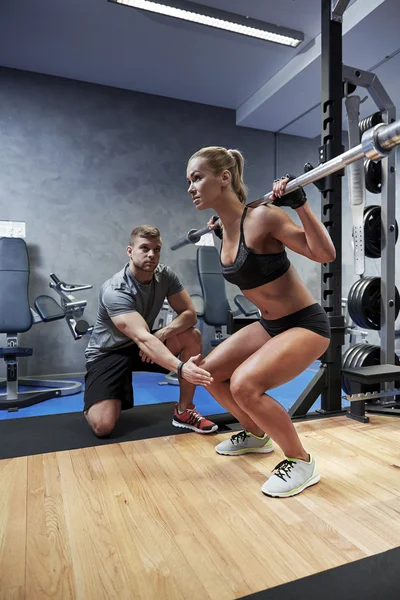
x,y
271,87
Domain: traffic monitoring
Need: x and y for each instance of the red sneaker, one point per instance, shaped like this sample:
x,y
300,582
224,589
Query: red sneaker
x,y
191,419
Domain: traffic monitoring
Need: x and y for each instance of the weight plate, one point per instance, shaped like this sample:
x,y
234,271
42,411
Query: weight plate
x,y
371,303
369,122
351,300
361,317
364,303
354,304
373,231
368,358
348,355
373,176
346,362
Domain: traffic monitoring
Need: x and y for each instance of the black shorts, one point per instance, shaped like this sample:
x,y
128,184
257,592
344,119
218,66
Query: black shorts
x,y
110,376
312,317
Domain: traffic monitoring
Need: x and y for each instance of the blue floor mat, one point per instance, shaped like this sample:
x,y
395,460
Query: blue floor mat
x,y
148,391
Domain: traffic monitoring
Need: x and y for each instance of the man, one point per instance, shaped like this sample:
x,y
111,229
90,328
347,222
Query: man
x,y
122,340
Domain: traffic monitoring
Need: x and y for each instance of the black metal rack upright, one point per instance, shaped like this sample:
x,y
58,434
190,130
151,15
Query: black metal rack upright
x,y
331,197
327,382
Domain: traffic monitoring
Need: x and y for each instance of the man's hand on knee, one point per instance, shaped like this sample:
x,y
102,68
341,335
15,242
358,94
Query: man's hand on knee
x,y
192,372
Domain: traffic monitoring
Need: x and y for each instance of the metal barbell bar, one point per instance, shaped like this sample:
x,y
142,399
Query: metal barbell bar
x,y
376,143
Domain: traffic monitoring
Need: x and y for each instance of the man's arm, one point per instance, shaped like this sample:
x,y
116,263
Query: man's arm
x,y
135,327
186,317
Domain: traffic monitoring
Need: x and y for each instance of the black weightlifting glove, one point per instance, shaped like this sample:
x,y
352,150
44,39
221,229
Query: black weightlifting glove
x,y
218,230
292,199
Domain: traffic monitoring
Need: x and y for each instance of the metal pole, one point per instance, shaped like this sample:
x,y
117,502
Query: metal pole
x,y
338,9
388,241
331,151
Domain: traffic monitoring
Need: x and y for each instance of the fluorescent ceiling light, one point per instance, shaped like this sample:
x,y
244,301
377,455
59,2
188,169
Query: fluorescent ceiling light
x,y
204,15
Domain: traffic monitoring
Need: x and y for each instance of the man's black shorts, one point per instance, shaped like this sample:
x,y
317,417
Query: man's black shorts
x,y
110,376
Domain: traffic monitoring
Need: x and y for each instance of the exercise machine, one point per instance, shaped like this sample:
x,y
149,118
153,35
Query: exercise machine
x,y
17,317
73,309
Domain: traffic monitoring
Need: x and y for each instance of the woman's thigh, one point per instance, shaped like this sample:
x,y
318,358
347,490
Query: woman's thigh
x,y
227,356
280,360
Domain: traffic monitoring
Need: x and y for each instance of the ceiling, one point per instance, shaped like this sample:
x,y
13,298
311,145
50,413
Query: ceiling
x,y
270,87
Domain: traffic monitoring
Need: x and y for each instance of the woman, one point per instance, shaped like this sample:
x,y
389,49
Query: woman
x,y
293,330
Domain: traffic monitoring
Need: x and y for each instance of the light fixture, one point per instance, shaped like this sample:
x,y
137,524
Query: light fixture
x,y
212,17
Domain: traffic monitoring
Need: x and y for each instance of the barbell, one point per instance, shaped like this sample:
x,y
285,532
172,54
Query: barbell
x,y
376,143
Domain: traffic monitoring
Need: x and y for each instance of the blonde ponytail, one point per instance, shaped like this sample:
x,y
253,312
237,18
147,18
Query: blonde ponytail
x,y
237,176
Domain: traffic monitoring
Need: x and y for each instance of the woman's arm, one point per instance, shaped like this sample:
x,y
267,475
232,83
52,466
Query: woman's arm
x,y
312,240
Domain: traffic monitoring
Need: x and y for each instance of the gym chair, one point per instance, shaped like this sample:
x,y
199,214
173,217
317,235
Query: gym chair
x,y
17,317
217,312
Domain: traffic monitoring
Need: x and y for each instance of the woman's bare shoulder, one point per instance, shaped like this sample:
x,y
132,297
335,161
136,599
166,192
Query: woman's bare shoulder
x,y
266,217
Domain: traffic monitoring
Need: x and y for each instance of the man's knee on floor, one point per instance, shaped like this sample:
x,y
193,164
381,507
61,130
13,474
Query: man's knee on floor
x,y
101,422
102,427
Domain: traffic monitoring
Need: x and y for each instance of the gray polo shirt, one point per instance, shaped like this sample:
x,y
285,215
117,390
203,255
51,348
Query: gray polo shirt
x,y
123,294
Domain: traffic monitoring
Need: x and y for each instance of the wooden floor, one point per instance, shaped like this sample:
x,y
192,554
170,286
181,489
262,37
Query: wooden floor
x,y
169,518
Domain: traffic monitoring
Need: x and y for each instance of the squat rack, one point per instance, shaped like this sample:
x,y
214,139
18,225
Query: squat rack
x,y
338,80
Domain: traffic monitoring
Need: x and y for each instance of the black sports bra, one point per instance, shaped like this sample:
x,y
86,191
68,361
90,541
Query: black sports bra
x,y
251,270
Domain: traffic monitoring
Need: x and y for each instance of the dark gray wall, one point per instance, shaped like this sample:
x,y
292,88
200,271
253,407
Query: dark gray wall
x,y
83,164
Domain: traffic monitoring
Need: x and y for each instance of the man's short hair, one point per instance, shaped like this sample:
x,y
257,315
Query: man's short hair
x,y
146,231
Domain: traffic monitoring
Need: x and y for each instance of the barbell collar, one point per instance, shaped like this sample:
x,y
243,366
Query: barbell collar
x,y
371,144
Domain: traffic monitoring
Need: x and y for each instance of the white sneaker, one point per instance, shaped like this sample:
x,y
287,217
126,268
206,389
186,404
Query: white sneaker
x,y
290,477
245,442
